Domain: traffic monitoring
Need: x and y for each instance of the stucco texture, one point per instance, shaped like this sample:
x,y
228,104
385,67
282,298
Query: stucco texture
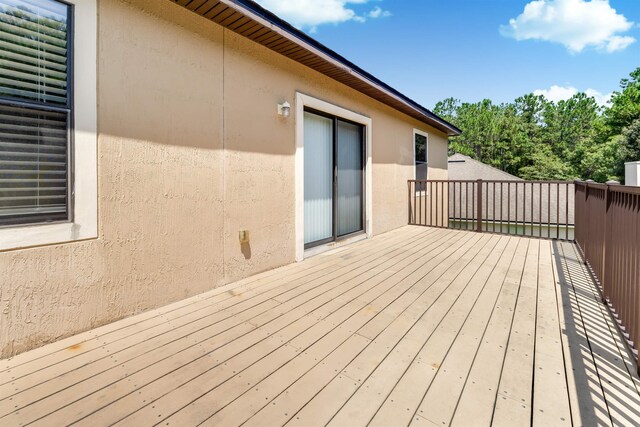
x,y
190,151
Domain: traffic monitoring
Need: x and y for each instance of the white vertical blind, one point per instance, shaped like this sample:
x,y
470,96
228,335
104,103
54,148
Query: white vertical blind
x,y
34,111
318,178
349,178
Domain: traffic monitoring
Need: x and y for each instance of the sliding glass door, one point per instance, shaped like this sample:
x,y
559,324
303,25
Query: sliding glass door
x,y
333,178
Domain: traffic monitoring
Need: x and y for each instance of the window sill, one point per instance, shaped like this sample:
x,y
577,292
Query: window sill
x,y
26,236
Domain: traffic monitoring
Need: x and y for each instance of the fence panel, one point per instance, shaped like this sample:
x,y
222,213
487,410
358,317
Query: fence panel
x,y
542,209
608,235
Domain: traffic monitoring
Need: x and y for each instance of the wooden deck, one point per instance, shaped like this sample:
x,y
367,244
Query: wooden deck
x,y
418,326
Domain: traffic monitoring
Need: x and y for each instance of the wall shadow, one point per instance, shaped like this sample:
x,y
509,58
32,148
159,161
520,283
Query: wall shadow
x,y
245,248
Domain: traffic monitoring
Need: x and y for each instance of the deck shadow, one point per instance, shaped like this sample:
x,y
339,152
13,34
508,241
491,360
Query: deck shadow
x,y
605,386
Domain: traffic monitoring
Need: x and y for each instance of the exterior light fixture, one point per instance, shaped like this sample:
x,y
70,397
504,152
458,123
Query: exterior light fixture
x,y
284,109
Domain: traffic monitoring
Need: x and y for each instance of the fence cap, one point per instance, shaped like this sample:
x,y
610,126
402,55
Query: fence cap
x,y
612,182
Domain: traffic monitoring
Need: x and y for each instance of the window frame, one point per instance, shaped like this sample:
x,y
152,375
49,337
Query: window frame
x,y
335,119
82,192
426,151
68,109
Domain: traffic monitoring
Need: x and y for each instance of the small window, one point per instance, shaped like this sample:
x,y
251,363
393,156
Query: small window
x,y
35,111
421,155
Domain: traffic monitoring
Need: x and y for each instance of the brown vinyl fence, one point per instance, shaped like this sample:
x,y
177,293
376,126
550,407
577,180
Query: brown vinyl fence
x,y
608,235
542,209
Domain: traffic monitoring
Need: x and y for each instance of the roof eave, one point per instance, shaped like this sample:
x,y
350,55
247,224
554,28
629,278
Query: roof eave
x,y
272,22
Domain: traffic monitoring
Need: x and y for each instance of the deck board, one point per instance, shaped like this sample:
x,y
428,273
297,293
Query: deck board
x,y
514,400
380,367
550,395
477,399
417,326
439,402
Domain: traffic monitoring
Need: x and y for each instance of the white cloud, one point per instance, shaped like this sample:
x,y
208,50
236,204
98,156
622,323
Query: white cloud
x,y
557,93
576,24
309,14
378,12
618,43
561,93
601,98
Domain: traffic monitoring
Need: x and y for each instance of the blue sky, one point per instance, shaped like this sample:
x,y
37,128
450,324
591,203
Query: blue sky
x,y
474,49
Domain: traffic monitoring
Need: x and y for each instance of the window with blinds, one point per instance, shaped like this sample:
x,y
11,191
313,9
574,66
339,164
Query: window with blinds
x,y
35,111
421,152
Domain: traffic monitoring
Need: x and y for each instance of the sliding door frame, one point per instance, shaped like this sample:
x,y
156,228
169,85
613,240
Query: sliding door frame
x,y
326,109
335,237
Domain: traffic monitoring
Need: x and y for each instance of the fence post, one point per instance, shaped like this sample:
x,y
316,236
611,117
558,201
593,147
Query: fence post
x,y
604,246
607,202
577,216
409,202
479,198
585,220
607,205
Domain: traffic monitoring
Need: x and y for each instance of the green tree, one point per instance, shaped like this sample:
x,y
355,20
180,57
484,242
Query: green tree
x,y
545,165
625,105
569,128
621,127
631,141
601,162
535,138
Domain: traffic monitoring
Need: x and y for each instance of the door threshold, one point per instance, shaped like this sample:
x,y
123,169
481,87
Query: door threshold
x,y
330,247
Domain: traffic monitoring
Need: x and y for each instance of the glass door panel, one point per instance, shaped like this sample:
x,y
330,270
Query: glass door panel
x,y
318,178
349,178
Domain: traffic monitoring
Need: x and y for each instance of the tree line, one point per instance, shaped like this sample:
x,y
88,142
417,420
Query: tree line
x,y
538,139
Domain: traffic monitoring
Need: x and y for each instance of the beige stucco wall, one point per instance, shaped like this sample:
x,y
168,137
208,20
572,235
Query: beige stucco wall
x,y
190,150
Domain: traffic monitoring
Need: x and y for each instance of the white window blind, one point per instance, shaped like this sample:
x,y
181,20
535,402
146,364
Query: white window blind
x,y
35,109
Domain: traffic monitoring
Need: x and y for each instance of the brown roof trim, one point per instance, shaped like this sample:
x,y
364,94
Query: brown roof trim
x,y
277,31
